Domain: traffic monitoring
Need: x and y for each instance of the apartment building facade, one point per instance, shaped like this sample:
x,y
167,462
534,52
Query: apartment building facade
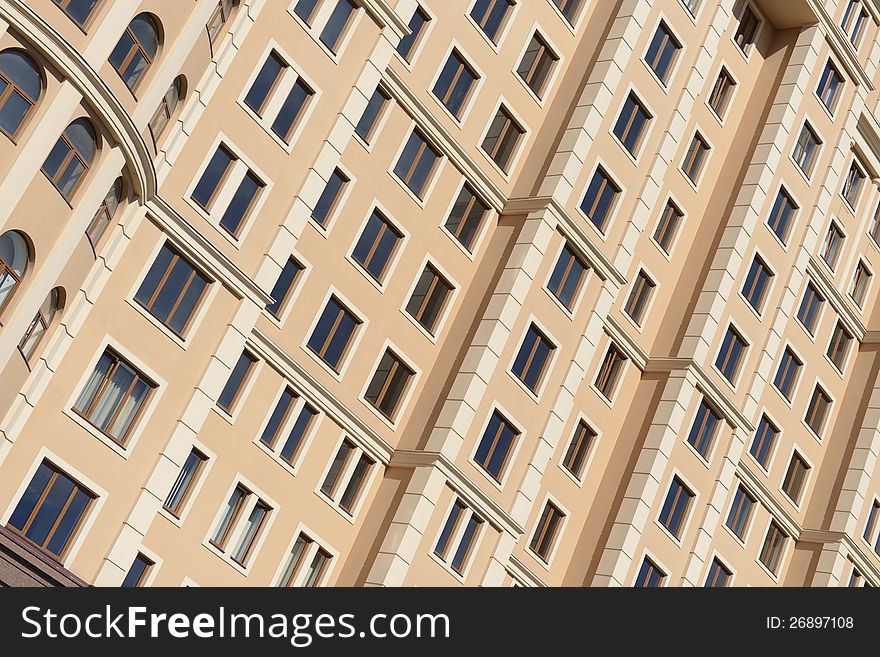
x,y
474,292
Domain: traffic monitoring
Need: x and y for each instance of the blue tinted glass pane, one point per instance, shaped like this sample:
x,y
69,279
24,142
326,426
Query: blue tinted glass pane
x,y
445,535
328,198
56,157
31,495
50,510
416,23
325,323
64,531
278,416
236,378
240,203
408,156
371,113
134,573
154,276
120,52
13,111
69,178
177,279
488,438
263,83
145,30
188,303
466,539
368,238
298,432
340,339
423,169
291,109
491,22
21,71
79,10
305,9
336,24
499,456
211,177
283,285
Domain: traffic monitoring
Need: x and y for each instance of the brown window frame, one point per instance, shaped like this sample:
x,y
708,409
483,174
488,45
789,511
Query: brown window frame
x,y
439,285
509,123
72,154
796,476
221,182
722,92
11,87
343,310
861,282
138,47
819,396
396,364
774,542
544,50
177,512
62,5
747,29
177,256
219,10
838,348
578,451
695,158
667,226
234,518
640,297
609,373
546,531
462,67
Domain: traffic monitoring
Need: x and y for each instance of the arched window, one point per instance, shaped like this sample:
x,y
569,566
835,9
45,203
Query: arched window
x,y
106,212
78,10
13,264
219,17
136,49
20,89
166,108
71,157
39,326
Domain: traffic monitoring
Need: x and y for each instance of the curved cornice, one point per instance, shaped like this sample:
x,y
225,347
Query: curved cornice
x,y
71,65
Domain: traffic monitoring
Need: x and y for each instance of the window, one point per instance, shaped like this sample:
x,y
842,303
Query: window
x,y
502,139
730,356
854,21
429,298
795,477
289,273
837,349
105,213
218,19
853,184
417,163
771,550
244,517
416,26
545,532
455,83
662,52
600,199
39,326
722,90
811,306
757,283
704,428
860,282
236,382
569,9
829,86
537,64
695,158
491,15
185,483
136,50
568,274
872,522
462,525
466,217
14,256
631,124
578,449
649,575
874,230
606,381
348,473
740,510
71,157
243,199
747,30
113,397
167,106
787,374
719,575
764,440
329,198
675,507
277,98
855,579
305,9
390,382
667,227
337,24
832,246
817,411
639,297
79,10
138,572
333,333
691,6
376,245
293,415
806,149
532,359
782,214
51,510
172,290
20,88
296,573
375,106
496,445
